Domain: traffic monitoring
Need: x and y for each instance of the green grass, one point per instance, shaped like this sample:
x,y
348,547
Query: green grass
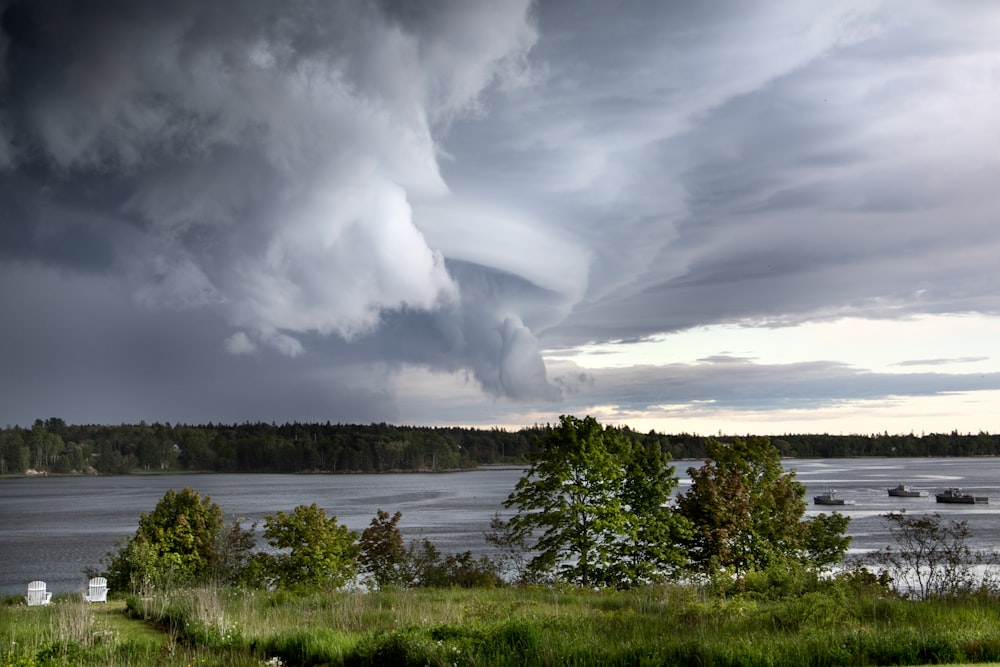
x,y
665,625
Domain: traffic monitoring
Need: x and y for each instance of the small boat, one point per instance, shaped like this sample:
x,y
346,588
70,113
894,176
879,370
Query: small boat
x,y
830,498
956,495
904,491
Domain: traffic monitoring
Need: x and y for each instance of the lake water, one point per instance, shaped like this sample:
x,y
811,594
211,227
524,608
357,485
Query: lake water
x,y
53,528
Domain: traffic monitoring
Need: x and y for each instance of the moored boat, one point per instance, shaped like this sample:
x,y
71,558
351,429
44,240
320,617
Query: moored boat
x,y
830,498
905,491
956,495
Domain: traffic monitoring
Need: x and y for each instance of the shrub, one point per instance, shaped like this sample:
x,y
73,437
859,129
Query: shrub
x,y
316,550
383,554
932,557
176,542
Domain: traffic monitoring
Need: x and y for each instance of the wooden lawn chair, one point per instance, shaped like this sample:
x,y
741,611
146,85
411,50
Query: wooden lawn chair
x,y
37,595
97,590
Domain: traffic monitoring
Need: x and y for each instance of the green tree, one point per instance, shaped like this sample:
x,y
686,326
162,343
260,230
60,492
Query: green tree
x,y
595,504
45,446
316,551
649,545
176,541
183,527
234,555
383,553
16,456
746,512
825,542
569,500
195,450
135,567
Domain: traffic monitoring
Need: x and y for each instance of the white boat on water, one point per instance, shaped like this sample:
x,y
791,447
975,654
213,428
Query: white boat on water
x,y
905,491
830,498
958,496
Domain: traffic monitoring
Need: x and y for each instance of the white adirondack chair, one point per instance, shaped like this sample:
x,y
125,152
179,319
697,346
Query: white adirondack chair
x,y
98,590
37,595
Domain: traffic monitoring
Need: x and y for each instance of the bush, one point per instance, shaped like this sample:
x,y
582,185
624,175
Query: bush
x,y
383,554
426,567
317,551
175,543
932,557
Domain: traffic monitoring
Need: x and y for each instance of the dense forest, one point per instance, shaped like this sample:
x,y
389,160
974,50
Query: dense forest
x,y
53,446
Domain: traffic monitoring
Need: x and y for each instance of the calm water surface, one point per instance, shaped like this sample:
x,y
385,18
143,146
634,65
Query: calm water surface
x,y
53,528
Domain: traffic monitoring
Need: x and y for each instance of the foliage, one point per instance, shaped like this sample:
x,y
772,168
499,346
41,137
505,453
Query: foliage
x,y
176,541
383,553
234,554
183,527
826,623
316,551
570,498
595,503
512,557
648,547
393,565
824,539
932,556
466,571
52,445
423,564
746,513
426,567
134,567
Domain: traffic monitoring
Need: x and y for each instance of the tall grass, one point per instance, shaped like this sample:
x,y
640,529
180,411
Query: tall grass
x,y
542,626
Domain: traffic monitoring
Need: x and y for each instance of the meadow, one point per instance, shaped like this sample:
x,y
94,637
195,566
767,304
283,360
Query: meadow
x,y
840,624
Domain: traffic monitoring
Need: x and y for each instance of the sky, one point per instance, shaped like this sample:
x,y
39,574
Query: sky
x,y
727,217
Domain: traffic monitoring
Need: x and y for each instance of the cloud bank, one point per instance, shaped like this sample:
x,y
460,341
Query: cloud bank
x,y
383,210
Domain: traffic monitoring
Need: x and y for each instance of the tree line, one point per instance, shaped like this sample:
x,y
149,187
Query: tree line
x,y
53,446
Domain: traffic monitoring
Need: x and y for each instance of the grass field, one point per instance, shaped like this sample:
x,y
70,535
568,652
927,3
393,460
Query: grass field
x,y
668,625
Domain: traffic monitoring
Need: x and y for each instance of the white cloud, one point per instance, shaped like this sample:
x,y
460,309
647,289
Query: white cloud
x,y
339,261
240,343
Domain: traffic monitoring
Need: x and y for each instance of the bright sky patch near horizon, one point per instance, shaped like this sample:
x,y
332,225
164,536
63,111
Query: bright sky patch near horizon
x,y
886,346
736,217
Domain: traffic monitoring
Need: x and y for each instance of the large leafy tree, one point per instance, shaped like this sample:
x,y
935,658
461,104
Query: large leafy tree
x,y
648,546
569,500
314,550
180,540
595,506
747,512
183,527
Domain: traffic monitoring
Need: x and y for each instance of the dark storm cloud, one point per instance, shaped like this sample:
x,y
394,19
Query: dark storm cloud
x,y
845,185
256,162
282,208
36,228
